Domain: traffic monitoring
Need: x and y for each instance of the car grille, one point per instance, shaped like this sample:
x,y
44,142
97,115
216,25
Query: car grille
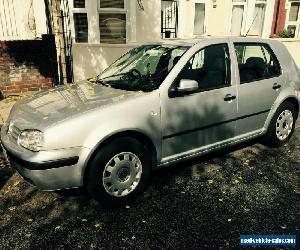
x,y
14,132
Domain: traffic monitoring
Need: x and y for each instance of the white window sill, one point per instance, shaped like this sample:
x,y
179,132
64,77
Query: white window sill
x,y
287,39
122,45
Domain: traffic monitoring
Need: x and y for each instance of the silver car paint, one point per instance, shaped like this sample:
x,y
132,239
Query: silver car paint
x,y
76,119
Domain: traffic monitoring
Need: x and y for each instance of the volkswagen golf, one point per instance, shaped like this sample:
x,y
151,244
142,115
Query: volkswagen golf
x,y
158,104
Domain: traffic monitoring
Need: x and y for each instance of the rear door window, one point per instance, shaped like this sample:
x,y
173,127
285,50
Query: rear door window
x,y
256,62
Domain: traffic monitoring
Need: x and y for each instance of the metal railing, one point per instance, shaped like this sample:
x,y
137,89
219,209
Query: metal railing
x,y
169,18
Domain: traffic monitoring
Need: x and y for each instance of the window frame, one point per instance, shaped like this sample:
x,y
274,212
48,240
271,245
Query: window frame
x,y
177,80
87,18
248,16
79,8
271,52
206,6
114,11
258,2
245,5
293,23
92,11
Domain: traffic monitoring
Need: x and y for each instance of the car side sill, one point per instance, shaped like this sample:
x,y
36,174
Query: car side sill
x,y
206,149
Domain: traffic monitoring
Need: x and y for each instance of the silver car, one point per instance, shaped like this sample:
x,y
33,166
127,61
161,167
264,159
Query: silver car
x,y
158,104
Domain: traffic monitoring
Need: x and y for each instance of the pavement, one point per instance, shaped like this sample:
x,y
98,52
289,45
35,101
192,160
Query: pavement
x,y
7,103
205,203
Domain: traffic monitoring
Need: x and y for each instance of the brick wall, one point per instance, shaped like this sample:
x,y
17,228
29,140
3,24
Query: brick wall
x,y
27,66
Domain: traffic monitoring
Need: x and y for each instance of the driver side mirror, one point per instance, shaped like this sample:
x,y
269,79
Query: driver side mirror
x,y
186,86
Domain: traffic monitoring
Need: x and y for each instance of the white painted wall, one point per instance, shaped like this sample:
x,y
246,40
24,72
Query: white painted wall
x,y
22,19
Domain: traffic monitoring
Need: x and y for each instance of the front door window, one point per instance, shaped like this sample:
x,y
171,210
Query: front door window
x,y
210,67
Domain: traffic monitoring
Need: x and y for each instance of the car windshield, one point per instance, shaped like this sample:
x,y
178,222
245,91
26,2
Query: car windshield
x,y
143,68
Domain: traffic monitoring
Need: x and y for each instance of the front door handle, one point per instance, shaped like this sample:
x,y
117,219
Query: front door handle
x,y
229,97
276,86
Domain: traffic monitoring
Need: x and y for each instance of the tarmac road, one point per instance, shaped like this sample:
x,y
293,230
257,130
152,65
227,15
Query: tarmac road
x,y
206,203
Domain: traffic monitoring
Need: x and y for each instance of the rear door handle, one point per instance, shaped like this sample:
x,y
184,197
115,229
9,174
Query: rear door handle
x,y
276,86
229,97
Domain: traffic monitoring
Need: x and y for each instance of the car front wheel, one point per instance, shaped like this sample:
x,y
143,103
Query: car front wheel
x,y
119,172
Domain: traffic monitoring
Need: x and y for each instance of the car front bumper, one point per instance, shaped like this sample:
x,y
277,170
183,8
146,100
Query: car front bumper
x,y
47,170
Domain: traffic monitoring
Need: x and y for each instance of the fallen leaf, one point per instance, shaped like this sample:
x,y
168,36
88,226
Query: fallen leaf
x,y
16,183
12,209
98,225
45,118
210,181
91,91
297,190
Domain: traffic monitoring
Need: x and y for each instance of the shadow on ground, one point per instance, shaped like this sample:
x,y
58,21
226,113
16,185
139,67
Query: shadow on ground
x,y
203,203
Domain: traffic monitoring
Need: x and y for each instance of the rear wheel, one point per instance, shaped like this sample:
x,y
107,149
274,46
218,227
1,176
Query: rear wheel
x,y
281,126
119,172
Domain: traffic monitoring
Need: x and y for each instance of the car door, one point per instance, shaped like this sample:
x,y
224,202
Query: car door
x,y
204,116
260,84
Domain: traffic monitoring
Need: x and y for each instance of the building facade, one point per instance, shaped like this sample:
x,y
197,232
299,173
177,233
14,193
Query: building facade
x,y
27,55
102,30
94,33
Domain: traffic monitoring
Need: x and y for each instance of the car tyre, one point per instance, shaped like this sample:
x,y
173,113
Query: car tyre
x,y
119,172
281,126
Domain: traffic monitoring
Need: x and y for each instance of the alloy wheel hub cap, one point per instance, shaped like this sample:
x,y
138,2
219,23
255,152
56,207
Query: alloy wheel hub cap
x,y
284,125
122,174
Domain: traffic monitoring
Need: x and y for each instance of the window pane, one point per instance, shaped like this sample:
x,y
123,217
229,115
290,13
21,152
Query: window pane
x,y
81,27
294,12
199,18
256,62
112,28
237,19
79,3
292,29
210,67
258,19
112,4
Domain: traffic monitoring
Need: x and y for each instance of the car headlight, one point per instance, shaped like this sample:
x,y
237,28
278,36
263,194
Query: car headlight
x,y
31,139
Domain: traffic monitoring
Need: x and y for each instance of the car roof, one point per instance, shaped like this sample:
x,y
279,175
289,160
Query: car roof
x,y
193,41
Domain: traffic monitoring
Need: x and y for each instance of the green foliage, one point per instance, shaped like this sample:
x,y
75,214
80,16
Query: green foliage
x,y
285,34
